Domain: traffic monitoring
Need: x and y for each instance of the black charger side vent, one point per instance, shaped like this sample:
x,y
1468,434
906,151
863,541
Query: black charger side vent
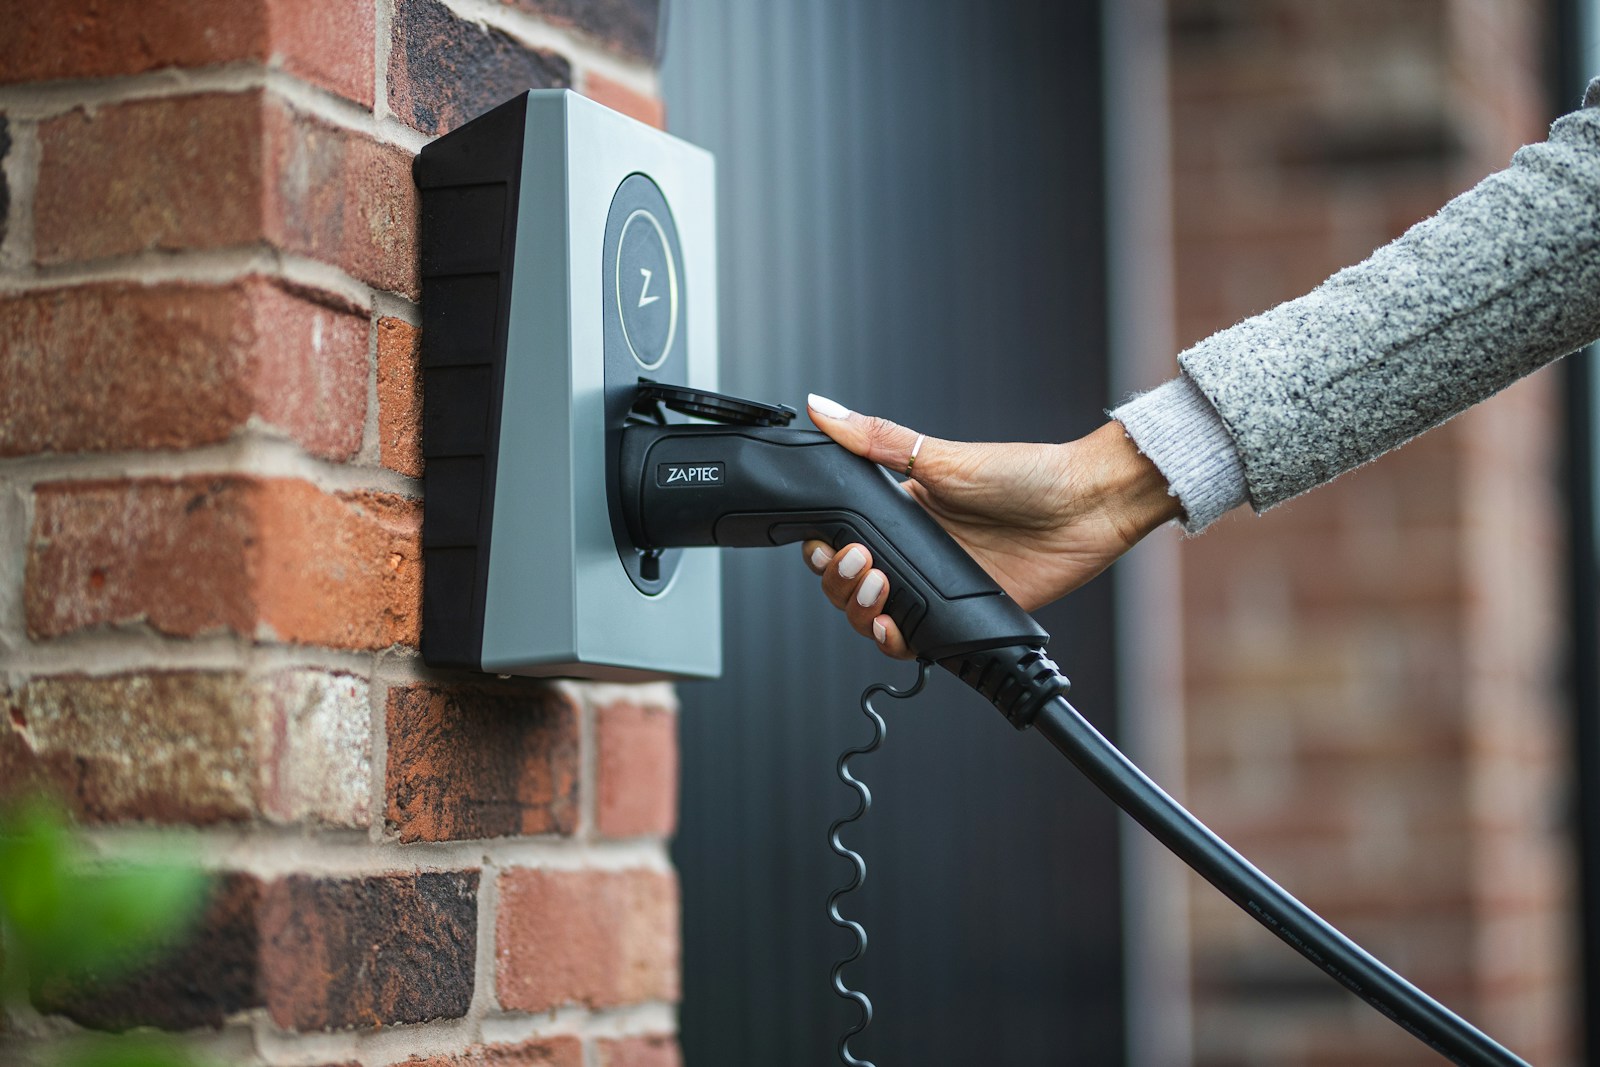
x,y
469,181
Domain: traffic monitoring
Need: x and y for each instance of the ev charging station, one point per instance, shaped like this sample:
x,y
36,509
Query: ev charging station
x,y
569,303
567,251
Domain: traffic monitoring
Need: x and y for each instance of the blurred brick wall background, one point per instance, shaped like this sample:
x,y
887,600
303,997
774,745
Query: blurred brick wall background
x,y
1374,692
209,520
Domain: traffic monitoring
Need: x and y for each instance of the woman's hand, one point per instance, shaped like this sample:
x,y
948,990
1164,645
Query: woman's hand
x,y
1041,519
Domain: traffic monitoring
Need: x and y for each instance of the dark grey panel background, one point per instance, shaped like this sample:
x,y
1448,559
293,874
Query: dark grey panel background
x,y
910,203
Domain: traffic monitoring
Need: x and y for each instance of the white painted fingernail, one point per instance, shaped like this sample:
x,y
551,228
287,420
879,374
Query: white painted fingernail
x,y
871,586
880,631
820,557
852,563
823,406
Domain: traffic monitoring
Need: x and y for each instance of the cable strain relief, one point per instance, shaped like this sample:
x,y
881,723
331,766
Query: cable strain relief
x,y
1017,680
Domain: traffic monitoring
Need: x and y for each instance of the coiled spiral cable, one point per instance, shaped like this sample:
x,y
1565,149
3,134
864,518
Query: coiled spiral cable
x,y
859,876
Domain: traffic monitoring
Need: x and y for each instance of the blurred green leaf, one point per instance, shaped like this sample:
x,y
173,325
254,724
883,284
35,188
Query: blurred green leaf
x,y
71,920
33,846
133,1050
116,917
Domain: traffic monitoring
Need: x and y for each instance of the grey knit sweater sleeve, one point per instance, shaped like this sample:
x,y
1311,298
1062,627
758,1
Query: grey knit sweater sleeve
x,y
1504,279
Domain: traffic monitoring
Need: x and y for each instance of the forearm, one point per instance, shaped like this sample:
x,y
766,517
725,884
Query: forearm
x,y
1503,280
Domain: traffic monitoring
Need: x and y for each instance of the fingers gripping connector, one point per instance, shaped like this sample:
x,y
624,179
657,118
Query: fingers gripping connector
x,y
859,877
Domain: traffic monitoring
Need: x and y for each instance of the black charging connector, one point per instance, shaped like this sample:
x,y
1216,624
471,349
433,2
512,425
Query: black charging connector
x,y
756,484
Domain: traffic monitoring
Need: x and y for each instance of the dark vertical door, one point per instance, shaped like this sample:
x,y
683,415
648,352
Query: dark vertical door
x,y
910,222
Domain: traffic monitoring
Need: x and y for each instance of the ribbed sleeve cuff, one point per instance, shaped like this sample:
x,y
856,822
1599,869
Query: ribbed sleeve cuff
x,y
1182,434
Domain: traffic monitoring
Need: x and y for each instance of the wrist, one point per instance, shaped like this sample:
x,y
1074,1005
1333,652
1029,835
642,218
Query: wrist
x,y
1131,492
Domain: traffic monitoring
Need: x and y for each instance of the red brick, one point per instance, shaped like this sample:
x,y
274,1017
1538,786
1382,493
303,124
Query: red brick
x,y
481,761
194,746
264,558
651,1050
325,41
319,953
638,772
618,97
164,174
359,952
548,1052
231,169
445,70
626,26
399,397
342,570
119,366
597,938
329,42
340,197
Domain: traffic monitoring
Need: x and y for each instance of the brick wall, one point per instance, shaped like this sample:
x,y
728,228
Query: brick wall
x,y
1375,711
209,558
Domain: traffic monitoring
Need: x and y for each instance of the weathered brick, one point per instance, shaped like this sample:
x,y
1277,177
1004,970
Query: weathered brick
x,y
234,169
478,761
638,770
340,197
627,26
264,558
444,70
210,974
597,938
102,191
649,1050
319,953
360,952
399,397
341,570
120,366
325,41
618,97
548,1052
194,746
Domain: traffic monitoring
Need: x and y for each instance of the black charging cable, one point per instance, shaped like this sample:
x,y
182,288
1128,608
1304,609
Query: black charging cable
x,y
1028,689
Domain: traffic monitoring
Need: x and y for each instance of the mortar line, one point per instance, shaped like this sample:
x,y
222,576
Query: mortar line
x,y
39,103
47,100
397,1044
387,305
270,850
486,992
389,1044
21,167
108,653
204,266
117,649
589,767
378,800
383,45
371,451
16,521
628,1020
249,452
585,54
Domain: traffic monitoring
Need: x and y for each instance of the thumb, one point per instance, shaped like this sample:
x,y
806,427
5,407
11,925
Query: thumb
x,y
883,442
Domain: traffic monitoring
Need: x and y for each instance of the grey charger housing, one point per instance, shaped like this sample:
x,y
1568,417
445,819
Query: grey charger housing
x,y
567,250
